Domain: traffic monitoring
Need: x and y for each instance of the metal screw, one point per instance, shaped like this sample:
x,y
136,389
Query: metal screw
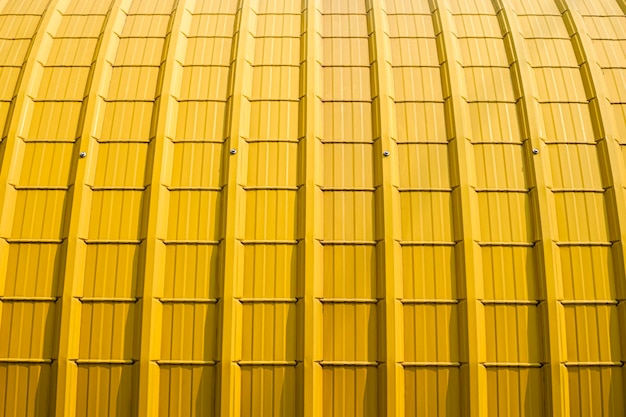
x,y
535,151
82,154
386,153
233,151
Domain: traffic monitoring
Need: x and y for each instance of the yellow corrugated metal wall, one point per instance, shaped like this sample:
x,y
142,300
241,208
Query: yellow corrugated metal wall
x,y
316,208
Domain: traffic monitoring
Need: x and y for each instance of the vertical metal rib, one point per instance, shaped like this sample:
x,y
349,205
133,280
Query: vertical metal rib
x,y
386,155
228,392
164,124
17,109
521,74
609,152
78,227
463,203
312,373
16,123
604,126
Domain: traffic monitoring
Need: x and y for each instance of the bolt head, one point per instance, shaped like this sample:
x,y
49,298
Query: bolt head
x,y
233,151
386,153
535,151
82,154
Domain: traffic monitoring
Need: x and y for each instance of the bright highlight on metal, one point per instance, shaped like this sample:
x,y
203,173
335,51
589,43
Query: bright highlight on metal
x,y
320,208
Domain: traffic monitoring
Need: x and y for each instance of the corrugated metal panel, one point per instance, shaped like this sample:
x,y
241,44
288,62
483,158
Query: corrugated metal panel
x,y
342,208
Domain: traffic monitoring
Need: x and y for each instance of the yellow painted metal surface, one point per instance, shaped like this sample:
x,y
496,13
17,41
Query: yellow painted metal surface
x,y
316,208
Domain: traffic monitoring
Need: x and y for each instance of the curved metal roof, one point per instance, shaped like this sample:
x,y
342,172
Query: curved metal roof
x,y
337,208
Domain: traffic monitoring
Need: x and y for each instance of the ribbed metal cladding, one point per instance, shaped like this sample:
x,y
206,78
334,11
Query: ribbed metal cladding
x,y
312,208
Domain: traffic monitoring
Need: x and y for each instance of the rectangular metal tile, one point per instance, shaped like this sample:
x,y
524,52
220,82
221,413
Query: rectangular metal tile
x,y
359,226
347,122
513,334
521,391
197,165
271,271
188,332
56,121
270,215
582,217
429,272
266,330
28,390
424,166
273,164
208,51
287,25
417,84
426,216
274,120
415,52
34,270
192,213
112,271
80,26
28,329
495,122
276,51
483,25
276,83
588,273
99,386
145,26
72,51
505,217
411,25
39,214
344,25
347,165
204,83
140,51
421,122
349,332
133,83
126,121
8,82
510,273
588,384
349,6
346,83
201,120
432,391
186,390
345,52
121,164
350,271
46,164
208,25
592,333
108,331
431,333
500,167
116,214
350,391
268,390
18,26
